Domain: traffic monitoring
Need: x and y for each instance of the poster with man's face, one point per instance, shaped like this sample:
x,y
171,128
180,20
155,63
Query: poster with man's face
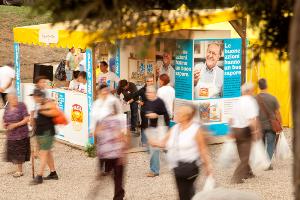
x,y
208,69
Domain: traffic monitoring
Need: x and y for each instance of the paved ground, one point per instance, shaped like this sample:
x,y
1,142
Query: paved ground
x,y
77,178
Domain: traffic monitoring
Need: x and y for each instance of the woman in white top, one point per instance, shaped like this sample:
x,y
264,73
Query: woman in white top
x,y
166,93
245,128
105,104
186,146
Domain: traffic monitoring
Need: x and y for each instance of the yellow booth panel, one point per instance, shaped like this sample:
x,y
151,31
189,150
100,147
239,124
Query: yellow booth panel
x,y
277,74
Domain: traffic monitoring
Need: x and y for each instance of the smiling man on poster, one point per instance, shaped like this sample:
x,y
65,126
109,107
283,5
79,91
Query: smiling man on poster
x,y
208,76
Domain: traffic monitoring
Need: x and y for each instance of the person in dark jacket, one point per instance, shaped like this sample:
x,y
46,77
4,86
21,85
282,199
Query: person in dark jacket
x,y
154,108
45,132
141,94
128,89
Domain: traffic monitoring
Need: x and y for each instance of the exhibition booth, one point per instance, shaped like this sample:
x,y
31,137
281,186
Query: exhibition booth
x,y
183,52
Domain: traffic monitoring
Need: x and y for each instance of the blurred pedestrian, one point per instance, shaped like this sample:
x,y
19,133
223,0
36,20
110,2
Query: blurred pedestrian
x,y
128,89
166,93
41,83
15,120
45,131
186,146
155,107
105,103
7,76
110,138
269,110
141,94
245,128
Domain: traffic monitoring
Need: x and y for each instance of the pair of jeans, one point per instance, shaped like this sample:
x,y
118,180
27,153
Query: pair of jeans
x,y
243,141
185,187
144,139
154,160
270,142
118,171
69,75
134,115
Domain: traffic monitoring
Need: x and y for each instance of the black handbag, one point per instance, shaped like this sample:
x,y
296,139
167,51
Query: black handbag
x,y
186,170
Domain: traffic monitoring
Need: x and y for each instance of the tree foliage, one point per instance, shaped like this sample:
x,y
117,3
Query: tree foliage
x,y
117,17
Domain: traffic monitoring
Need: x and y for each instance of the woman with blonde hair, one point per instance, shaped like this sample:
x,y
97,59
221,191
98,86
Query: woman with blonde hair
x,y
186,147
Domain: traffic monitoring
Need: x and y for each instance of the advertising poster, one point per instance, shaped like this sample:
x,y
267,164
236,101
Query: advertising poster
x,y
17,69
76,131
114,61
184,69
216,81
89,72
165,58
59,98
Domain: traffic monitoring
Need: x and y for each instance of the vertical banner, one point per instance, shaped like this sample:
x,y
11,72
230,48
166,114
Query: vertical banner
x,y
232,67
89,71
184,69
17,69
117,58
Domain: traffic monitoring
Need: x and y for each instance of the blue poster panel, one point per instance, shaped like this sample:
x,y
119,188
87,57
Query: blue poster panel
x,y
17,69
232,67
59,98
89,71
184,69
117,63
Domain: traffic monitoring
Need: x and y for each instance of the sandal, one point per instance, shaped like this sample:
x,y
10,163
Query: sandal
x,y
18,174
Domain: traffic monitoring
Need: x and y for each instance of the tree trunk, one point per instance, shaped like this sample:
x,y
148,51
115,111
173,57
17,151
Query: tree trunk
x,y
294,49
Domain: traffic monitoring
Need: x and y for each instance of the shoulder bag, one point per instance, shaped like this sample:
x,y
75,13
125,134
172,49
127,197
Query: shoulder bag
x,y
276,125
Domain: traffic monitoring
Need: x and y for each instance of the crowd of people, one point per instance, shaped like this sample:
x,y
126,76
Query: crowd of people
x,y
185,142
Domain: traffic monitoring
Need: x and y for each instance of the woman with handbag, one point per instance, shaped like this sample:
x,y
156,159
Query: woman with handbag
x,y
186,146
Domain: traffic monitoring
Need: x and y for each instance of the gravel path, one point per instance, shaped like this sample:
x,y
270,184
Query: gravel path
x,y
77,179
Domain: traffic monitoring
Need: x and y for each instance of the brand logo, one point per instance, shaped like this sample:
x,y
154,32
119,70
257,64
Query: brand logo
x,y
77,117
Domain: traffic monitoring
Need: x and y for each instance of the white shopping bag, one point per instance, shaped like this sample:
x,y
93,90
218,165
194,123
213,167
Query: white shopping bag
x,y
210,183
259,159
1,118
229,154
283,150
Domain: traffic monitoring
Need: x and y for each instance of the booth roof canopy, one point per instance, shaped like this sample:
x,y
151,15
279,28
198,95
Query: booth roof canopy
x,y
63,37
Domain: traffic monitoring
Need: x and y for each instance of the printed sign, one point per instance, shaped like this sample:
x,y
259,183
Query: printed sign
x,y
184,69
17,69
217,81
232,67
117,61
59,98
48,36
89,71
